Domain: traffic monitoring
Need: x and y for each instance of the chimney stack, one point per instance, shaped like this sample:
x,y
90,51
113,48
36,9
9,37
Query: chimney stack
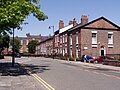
x,y
74,22
28,34
61,24
84,19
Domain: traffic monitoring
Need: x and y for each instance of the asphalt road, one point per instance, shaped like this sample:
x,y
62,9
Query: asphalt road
x,y
61,75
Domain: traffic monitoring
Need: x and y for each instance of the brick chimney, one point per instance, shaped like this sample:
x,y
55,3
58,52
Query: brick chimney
x,y
61,24
74,22
28,34
84,19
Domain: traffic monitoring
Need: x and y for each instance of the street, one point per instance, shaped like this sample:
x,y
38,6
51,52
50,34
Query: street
x,y
63,75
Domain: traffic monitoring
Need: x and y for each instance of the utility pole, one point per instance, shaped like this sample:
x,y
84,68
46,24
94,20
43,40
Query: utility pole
x,y
53,40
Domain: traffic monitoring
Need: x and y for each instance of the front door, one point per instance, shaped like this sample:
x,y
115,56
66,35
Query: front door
x,y
102,51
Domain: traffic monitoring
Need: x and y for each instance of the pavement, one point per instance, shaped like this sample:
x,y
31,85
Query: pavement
x,y
114,68
18,78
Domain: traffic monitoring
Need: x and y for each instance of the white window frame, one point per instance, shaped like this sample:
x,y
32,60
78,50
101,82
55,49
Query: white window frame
x,y
22,42
60,39
70,39
94,39
71,52
63,38
77,49
110,39
77,37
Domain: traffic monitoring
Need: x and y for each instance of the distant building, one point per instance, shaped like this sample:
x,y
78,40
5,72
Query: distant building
x,y
45,47
25,41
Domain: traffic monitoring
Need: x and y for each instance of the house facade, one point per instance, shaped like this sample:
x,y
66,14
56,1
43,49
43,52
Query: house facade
x,y
99,37
45,47
96,38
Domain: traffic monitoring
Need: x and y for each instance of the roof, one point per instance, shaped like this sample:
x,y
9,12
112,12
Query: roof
x,y
83,26
65,28
50,38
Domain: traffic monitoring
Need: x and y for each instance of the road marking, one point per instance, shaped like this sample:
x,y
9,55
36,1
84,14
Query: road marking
x,y
107,75
111,76
45,84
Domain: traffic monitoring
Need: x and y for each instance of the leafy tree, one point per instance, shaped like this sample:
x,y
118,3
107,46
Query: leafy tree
x,y
14,12
17,44
32,46
4,41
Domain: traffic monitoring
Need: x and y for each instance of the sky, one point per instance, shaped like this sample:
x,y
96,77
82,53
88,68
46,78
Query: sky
x,y
66,10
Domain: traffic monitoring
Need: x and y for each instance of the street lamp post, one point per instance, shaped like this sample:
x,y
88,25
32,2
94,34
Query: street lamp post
x,y
53,38
13,51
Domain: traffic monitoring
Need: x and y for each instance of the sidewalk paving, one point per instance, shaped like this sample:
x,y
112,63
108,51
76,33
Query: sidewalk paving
x,y
97,65
16,78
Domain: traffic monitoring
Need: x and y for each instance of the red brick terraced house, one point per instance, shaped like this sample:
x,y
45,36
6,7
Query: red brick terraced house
x,y
45,47
56,42
63,36
96,38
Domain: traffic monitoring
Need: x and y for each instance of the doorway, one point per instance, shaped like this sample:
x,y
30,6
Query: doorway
x,y
102,51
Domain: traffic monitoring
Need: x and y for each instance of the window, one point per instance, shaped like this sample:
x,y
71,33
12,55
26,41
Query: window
x,y
94,38
63,38
71,52
110,38
76,52
76,37
21,42
66,50
60,39
27,42
70,39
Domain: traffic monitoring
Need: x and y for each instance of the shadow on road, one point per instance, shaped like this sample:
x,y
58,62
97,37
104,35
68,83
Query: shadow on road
x,y
6,69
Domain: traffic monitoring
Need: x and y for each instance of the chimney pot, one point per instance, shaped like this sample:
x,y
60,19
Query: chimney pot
x,y
84,19
74,22
61,24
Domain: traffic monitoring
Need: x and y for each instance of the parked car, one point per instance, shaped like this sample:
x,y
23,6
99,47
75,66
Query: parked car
x,y
17,55
1,56
86,58
100,59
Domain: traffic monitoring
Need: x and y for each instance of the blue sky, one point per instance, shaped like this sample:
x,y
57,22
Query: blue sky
x,y
66,10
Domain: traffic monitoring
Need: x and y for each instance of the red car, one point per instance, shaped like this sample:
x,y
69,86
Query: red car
x,y
100,59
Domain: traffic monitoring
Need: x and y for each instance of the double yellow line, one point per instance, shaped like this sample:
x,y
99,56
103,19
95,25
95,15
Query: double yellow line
x,y
45,84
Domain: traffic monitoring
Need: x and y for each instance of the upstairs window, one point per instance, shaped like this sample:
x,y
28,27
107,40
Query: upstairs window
x,y
110,37
63,38
94,38
70,39
76,37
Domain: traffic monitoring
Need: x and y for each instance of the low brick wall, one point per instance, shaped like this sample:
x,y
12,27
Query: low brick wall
x,y
112,62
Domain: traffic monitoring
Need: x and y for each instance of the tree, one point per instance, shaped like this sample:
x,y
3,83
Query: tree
x,y
17,44
14,12
32,46
4,41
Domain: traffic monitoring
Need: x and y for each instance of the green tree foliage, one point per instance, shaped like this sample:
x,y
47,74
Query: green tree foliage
x,y
17,44
14,12
4,41
32,46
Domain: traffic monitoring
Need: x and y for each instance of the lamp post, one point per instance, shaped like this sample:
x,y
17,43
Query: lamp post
x,y
53,38
13,50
